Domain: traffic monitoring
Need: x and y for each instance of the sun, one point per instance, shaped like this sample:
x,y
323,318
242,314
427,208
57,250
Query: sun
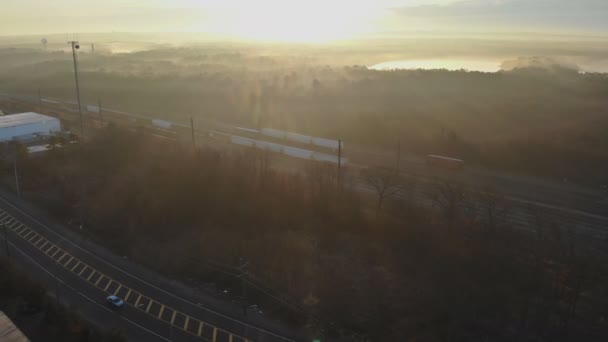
x,y
295,21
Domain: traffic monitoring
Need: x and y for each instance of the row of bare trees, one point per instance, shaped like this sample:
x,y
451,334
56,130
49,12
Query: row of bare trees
x,y
410,266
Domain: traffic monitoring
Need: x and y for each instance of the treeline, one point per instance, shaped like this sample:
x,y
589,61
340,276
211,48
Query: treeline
x,y
356,268
547,122
39,316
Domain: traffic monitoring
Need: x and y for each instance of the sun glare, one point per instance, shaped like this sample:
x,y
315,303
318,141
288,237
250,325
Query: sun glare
x,y
295,21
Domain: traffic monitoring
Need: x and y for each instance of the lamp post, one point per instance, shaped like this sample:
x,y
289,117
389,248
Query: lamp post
x,y
76,46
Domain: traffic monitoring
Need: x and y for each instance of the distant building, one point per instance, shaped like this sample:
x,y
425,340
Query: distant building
x,y
25,126
9,332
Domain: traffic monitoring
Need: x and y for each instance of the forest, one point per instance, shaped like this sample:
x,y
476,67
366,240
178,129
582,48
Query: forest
x,y
539,116
343,264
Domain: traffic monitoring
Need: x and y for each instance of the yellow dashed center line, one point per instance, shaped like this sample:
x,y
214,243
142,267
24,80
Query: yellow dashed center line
x,y
74,267
107,285
46,243
98,279
137,301
53,250
69,261
127,295
118,289
63,256
186,322
56,252
82,270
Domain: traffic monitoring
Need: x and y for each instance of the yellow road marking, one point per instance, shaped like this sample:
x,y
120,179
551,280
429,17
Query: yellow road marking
x,y
74,267
107,285
127,296
99,279
57,251
68,262
46,243
37,242
28,234
63,256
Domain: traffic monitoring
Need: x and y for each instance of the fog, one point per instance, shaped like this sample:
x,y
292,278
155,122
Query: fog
x,y
456,187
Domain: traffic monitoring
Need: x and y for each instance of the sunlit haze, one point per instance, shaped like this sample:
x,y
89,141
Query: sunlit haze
x,y
297,21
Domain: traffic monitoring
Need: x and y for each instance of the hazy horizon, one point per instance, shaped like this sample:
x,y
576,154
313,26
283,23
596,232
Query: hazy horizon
x,y
310,21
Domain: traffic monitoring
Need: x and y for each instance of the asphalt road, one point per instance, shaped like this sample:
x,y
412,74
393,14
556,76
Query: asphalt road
x,y
82,275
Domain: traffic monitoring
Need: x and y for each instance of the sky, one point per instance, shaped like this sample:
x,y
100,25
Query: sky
x,y
301,20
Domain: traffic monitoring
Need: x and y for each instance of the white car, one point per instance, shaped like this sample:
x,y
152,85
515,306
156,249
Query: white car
x,y
115,301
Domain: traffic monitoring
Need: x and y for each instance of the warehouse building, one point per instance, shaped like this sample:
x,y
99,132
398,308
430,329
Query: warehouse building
x,y
25,126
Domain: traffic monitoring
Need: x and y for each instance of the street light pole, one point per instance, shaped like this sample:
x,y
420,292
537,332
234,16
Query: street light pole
x,y
76,46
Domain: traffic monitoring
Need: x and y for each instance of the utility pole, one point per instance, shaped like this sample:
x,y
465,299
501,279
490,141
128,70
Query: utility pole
x,y
8,253
39,101
99,106
76,46
340,165
16,172
192,128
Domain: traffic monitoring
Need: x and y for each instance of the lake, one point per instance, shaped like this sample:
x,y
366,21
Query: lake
x,y
449,64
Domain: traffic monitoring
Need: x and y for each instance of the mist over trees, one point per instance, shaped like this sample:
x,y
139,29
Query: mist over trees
x,y
540,117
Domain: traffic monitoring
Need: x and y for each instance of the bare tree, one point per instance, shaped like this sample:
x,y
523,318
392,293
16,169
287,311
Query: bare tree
x,y
385,182
450,198
494,208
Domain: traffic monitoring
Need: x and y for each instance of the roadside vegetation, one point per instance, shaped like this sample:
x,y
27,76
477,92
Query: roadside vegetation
x,y
39,316
347,264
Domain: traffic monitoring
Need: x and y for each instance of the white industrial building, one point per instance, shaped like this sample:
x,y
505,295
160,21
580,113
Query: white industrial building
x,y
24,126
